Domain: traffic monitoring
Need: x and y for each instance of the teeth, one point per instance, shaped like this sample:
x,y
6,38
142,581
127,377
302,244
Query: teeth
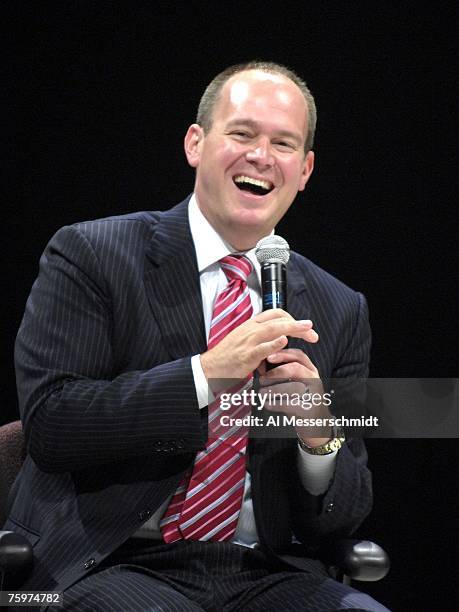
x,y
247,179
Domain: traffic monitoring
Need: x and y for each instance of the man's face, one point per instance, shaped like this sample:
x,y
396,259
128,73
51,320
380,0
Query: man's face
x,y
251,164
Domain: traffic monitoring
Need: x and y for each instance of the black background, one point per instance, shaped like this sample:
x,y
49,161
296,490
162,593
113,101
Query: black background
x,y
99,98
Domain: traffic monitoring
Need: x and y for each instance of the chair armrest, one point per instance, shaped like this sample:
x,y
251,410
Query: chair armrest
x,y
16,553
358,559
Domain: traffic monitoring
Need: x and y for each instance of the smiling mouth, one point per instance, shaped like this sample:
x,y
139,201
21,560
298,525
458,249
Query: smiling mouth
x,y
255,186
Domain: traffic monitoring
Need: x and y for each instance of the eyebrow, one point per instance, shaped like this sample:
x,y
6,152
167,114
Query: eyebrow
x,y
255,125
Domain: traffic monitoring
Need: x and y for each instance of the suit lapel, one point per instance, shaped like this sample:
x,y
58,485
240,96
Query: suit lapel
x,y
172,284
297,301
302,305
297,305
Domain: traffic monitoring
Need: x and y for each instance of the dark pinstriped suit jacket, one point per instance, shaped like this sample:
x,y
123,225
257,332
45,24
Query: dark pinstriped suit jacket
x,y
108,400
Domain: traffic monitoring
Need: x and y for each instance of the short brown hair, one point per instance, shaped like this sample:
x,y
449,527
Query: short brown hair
x,y
212,93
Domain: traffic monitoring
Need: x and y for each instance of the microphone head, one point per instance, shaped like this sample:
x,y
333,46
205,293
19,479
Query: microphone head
x,y
272,249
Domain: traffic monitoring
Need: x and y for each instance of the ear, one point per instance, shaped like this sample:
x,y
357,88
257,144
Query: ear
x,y
307,170
193,140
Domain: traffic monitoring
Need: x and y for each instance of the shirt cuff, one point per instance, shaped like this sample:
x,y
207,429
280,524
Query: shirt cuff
x,y
203,392
316,471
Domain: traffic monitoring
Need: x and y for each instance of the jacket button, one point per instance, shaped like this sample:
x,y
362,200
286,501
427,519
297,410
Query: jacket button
x,y
329,507
89,563
144,515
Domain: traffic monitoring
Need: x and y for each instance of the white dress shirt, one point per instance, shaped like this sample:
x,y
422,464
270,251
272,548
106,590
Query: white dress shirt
x,y
315,471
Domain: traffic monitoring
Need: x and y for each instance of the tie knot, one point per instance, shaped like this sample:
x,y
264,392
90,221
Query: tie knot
x,y
236,267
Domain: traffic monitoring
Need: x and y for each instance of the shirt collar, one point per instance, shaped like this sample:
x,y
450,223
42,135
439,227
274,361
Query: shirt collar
x,y
209,245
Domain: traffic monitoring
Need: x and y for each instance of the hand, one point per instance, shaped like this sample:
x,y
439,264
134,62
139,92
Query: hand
x,y
246,347
295,375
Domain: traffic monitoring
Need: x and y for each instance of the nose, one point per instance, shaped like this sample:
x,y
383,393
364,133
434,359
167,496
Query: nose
x,y
260,153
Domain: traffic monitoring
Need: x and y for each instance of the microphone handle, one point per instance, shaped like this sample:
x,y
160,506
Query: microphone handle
x,y
274,285
273,289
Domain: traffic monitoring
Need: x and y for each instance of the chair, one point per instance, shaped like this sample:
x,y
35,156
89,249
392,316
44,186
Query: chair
x,y
16,555
347,559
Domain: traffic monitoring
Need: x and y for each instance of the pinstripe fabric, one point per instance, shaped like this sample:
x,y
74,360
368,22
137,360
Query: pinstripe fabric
x,y
208,576
207,504
108,403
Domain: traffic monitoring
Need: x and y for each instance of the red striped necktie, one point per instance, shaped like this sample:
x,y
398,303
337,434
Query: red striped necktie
x,y
206,505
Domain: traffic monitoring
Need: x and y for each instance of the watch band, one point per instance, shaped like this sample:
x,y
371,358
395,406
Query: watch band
x,y
334,444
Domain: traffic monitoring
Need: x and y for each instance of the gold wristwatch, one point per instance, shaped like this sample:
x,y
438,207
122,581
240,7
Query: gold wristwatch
x,y
334,444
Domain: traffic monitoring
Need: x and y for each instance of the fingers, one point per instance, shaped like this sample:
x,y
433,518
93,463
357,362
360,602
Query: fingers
x,y
290,372
279,317
274,313
293,365
277,314
265,331
289,355
266,348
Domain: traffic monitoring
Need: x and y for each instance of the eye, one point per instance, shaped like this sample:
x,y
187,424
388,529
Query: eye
x,y
240,134
285,144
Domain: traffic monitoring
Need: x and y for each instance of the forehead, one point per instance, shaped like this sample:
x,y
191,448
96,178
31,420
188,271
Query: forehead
x,y
258,95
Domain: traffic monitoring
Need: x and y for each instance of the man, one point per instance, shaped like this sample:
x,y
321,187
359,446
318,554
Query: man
x,y
115,356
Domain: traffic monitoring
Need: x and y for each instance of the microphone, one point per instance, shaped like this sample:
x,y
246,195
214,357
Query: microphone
x,y
273,253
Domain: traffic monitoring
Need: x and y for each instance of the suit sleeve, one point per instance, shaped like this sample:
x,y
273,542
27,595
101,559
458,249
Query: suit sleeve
x,y
348,499
77,410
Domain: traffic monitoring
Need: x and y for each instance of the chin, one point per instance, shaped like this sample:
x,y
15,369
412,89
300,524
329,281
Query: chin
x,y
246,231
248,219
